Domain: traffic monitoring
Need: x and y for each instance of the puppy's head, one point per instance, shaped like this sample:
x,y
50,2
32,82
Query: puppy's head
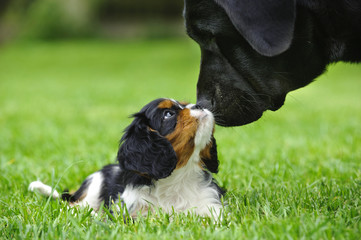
x,y
164,135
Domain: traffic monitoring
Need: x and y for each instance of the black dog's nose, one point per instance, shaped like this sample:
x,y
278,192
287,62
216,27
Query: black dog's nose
x,y
197,107
206,104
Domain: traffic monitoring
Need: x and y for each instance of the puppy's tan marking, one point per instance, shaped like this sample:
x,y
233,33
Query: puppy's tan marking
x,y
165,104
182,138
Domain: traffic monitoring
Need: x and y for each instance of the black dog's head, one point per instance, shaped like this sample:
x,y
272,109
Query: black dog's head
x,y
253,52
166,135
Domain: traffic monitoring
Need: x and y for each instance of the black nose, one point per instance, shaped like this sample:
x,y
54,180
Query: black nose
x,y
206,104
197,107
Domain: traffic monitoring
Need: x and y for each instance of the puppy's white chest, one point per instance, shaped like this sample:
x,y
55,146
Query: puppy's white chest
x,y
186,189
185,194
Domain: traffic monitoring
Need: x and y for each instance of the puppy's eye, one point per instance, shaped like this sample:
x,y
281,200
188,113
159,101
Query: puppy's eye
x,y
168,114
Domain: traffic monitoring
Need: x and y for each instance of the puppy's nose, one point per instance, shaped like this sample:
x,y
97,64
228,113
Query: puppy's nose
x,y
197,107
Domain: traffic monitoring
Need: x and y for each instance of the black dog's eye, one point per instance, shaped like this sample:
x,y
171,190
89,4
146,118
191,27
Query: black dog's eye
x,y
168,114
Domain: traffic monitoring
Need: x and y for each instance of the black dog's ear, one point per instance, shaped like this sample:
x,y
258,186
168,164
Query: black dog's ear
x,y
267,25
209,156
144,151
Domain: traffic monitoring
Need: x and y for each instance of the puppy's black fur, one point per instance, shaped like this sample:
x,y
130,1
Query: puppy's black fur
x,y
137,152
255,52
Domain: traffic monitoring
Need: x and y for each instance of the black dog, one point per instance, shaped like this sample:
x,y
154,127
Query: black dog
x,y
256,51
165,159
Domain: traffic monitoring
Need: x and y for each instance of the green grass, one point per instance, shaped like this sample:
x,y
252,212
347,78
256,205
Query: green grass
x,y
293,174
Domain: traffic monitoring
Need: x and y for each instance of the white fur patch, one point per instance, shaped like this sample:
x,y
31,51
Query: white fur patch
x,y
92,198
137,199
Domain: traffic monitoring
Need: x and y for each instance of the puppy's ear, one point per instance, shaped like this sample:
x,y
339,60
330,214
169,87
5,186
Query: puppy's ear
x,y
209,156
266,25
143,150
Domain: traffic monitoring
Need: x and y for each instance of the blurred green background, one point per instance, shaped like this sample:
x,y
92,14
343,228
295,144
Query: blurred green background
x,y
71,72
61,19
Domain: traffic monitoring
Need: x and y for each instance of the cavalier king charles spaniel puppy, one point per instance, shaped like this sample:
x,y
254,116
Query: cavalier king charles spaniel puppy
x,y
166,157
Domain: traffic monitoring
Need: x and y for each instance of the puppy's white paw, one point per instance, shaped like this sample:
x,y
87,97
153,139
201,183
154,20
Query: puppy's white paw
x,y
43,189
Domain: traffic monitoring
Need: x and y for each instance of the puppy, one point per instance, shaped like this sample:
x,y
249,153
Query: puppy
x,y
166,158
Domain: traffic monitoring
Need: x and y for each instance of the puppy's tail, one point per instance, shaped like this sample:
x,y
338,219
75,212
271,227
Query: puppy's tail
x,y
47,191
43,189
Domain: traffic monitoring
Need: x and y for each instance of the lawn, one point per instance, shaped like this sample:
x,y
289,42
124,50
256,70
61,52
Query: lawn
x,y
295,173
